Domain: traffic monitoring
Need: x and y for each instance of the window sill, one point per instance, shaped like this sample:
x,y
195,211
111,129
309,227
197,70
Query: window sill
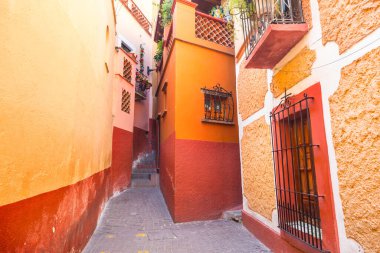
x,y
218,122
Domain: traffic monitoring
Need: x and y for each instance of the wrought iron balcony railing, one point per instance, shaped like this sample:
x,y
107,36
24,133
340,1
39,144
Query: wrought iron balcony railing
x,y
259,14
142,86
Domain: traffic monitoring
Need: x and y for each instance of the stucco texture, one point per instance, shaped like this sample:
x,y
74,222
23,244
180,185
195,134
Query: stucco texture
x,y
252,87
306,9
56,94
355,119
293,72
348,21
258,178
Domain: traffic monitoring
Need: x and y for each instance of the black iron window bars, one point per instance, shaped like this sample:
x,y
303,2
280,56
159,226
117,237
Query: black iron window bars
x,y
218,105
257,15
294,168
126,101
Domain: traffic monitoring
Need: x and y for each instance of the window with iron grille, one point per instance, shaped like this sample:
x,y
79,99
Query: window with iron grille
x,y
126,101
127,70
295,172
218,105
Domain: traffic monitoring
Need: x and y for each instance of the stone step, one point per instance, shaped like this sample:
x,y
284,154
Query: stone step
x,y
151,181
144,170
141,176
234,215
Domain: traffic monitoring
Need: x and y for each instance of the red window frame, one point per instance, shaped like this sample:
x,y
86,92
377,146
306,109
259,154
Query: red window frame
x,y
330,237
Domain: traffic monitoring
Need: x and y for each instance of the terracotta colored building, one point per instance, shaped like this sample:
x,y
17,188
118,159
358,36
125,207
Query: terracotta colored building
x,y
68,116
134,35
308,102
56,168
199,150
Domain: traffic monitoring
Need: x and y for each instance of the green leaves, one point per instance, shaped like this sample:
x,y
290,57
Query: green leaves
x,y
165,12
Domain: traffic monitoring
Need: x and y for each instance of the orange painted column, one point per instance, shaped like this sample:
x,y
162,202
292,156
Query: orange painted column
x,y
199,162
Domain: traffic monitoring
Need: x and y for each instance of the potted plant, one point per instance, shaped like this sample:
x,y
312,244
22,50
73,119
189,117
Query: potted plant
x,y
166,12
159,51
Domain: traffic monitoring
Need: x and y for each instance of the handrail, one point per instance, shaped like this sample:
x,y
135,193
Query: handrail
x,y
210,17
134,5
258,15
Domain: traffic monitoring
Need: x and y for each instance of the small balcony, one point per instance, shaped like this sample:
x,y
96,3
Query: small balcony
x,y
271,28
191,24
142,86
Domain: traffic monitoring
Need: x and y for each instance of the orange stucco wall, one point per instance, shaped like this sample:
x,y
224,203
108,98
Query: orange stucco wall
x,y
207,68
192,153
355,128
56,94
346,22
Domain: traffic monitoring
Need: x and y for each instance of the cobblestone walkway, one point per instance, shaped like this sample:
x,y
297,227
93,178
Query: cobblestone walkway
x,y
137,221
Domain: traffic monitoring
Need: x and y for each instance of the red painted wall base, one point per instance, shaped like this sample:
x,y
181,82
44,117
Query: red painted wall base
x,y
145,142
267,236
199,179
58,221
278,243
63,220
122,142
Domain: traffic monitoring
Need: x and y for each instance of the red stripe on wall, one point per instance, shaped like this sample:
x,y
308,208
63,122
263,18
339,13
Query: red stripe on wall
x,y
199,179
122,141
64,219
278,243
167,179
58,221
208,179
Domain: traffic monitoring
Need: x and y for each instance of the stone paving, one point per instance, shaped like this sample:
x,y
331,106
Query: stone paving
x,y
137,221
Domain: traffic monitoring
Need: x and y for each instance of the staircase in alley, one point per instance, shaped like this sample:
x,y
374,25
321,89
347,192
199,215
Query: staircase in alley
x,y
145,171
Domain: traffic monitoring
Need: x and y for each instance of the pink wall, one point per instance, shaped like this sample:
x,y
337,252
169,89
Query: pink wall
x,y
132,33
122,119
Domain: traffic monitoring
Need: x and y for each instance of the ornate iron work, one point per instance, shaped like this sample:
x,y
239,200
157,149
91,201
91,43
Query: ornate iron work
x,y
257,15
218,105
142,85
127,70
294,169
126,101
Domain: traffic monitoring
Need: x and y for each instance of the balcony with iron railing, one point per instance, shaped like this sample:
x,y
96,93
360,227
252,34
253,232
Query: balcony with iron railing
x,y
142,86
271,28
131,6
189,24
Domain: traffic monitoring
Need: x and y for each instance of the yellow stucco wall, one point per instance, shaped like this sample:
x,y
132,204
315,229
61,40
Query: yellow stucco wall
x,y
258,178
356,134
56,95
348,21
306,11
293,72
252,87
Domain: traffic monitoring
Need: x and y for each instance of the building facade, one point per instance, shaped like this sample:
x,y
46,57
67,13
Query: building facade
x,y
198,131
70,103
134,34
308,87
56,122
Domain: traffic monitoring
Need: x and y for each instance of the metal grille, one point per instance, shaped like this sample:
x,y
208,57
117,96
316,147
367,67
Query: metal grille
x,y
218,105
213,29
127,70
257,15
126,101
293,158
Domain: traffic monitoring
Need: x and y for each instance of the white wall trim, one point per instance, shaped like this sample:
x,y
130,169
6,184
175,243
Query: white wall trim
x,y
329,77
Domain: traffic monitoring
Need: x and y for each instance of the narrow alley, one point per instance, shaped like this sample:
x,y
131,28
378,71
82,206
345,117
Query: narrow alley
x,y
190,126
137,221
